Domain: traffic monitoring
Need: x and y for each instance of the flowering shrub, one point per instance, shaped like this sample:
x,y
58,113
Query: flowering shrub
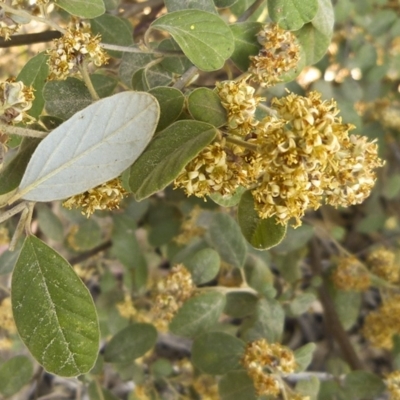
x,y
189,187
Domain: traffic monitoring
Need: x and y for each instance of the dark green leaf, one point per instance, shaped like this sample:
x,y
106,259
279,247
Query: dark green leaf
x,y
131,63
236,385
131,343
198,315
304,356
226,238
139,82
217,353
363,385
83,8
260,233
203,265
292,14
11,174
246,44
53,311
240,304
175,64
15,373
113,30
176,5
156,76
51,122
204,37
224,3
96,392
49,223
171,102
86,237
205,105
34,73
167,155
267,322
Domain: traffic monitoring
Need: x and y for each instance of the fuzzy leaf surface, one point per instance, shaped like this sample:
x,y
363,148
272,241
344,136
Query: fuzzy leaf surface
x,y
83,8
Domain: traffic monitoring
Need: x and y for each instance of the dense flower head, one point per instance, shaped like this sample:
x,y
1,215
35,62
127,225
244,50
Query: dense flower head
x,y
382,263
15,100
381,325
106,196
71,49
263,360
350,274
280,53
392,382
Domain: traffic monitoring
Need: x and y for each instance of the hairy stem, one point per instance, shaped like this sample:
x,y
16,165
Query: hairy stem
x,y
242,143
86,78
16,130
186,78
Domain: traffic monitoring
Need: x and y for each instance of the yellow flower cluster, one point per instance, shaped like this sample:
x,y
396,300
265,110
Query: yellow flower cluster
x,y
172,292
263,361
382,324
206,386
15,100
72,49
7,24
350,274
189,228
292,160
106,196
392,382
280,54
382,263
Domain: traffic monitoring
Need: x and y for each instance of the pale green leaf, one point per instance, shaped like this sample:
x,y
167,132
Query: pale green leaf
x,y
177,5
309,387
292,14
131,63
198,315
83,8
49,223
97,144
53,311
15,373
204,37
363,385
203,265
236,385
217,353
304,356
240,304
167,155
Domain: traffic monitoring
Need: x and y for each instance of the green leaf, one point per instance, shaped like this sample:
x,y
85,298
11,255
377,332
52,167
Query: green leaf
x,y
11,174
198,315
203,265
204,37
262,234
246,44
224,3
50,122
315,37
53,311
225,236
131,343
96,392
258,275
131,63
236,385
83,8
205,105
34,73
49,223
113,30
240,304
7,261
86,237
301,303
171,102
363,384
174,64
292,14
177,5
304,356
308,387
295,239
217,353
156,76
228,201
76,95
267,322
15,373
167,155
95,145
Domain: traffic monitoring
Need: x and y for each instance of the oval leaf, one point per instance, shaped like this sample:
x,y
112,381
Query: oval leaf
x,y
167,155
83,8
217,353
53,311
176,5
226,238
292,14
262,234
236,385
205,105
14,374
95,145
204,37
198,315
203,265
130,343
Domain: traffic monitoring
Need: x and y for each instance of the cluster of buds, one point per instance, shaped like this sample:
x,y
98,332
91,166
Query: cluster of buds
x,y
172,292
383,264
15,100
392,382
77,45
265,363
280,53
106,196
292,160
351,274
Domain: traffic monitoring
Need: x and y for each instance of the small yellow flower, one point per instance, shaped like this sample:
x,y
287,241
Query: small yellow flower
x,y
4,236
350,274
381,263
6,317
392,382
106,196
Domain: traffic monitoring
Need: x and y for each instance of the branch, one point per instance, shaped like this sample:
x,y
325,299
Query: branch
x,y
84,256
16,130
31,38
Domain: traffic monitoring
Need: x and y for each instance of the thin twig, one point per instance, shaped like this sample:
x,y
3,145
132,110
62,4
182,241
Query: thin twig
x,y
13,211
84,256
88,82
16,130
330,313
30,38
186,78
250,11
